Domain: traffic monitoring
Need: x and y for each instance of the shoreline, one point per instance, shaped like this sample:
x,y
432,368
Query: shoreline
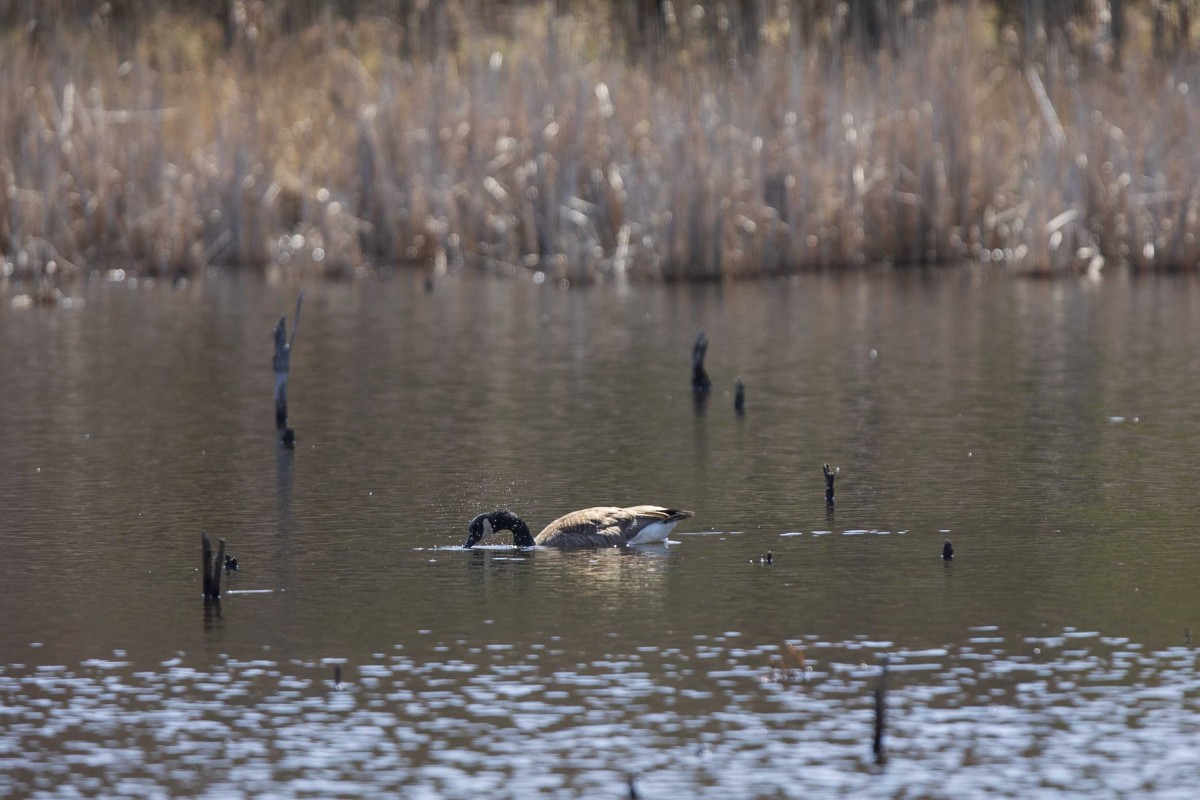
x,y
543,148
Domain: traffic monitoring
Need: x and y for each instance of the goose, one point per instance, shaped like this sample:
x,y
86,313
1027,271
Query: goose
x,y
603,526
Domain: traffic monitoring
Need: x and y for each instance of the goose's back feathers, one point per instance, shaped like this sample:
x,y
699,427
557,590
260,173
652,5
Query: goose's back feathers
x,y
610,526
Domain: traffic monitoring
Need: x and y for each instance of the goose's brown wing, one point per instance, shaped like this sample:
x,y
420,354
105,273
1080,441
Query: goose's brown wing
x,y
590,527
604,526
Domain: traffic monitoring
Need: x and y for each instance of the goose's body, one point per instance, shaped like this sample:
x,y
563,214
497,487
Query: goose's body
x,y
602,526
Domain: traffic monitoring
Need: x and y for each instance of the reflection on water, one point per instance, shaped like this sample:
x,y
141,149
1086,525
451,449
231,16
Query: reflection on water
x,y
1047,429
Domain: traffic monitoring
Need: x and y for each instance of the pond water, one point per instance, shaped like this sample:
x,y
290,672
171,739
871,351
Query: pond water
x,y
1049,429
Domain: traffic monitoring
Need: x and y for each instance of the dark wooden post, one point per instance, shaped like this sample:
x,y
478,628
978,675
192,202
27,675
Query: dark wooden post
x,y
282,362
206,555
829,476
739,397
217,569
212,566
947,551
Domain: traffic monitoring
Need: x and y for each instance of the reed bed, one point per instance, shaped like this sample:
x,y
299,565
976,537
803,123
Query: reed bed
x,y
546,150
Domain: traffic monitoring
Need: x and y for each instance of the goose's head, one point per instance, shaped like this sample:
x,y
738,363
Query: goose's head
x,y
480,527
485,525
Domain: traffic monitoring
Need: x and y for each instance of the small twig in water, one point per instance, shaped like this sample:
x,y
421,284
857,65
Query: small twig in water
x,y
296,320
282,362
881,715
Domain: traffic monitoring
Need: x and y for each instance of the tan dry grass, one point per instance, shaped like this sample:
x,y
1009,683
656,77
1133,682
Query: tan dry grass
x,y
544,150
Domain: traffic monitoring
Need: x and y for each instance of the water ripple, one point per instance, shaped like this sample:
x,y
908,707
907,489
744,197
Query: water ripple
x,y
1087,714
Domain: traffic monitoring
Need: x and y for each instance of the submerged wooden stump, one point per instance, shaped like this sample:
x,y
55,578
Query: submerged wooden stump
x,y
218,567
739,397
206,558
829,476
212,567
281,363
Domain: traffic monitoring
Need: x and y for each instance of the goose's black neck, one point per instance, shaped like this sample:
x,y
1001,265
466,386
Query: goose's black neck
x,y
506,520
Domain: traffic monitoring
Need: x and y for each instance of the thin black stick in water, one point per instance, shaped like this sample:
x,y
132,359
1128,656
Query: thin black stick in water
x,y
216,570
282,362
206,556
739,397
881,715
829,476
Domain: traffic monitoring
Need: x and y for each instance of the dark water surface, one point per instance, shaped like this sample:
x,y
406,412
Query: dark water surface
x,y
1050,429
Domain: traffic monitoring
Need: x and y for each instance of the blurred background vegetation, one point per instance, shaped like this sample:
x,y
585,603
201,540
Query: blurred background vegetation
x,y
593,140
644,28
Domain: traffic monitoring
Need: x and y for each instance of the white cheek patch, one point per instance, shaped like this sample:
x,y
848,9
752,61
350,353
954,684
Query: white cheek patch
x,y
487,527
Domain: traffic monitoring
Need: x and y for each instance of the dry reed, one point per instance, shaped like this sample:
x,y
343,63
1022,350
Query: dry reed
x,y
545,150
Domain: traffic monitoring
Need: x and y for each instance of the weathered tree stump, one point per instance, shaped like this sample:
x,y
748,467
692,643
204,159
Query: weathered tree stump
x,y
829,476
212,567
282,362
739,397
206,557
218,569
947,551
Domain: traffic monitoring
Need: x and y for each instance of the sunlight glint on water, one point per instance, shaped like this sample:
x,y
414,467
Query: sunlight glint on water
x,y
1051,657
